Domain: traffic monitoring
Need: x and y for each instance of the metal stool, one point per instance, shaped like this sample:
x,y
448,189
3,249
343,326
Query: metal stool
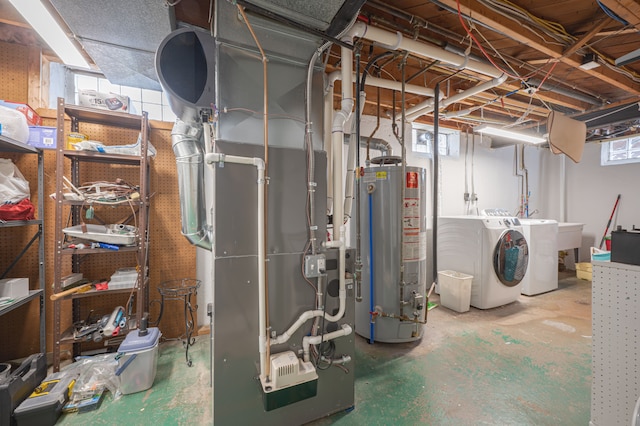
x,y
181,289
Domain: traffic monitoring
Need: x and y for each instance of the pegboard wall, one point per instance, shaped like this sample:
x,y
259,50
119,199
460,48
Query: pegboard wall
x,y
170,254
615,361
19,337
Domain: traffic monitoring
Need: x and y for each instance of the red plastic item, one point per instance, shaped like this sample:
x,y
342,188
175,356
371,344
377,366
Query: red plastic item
x,y
23,210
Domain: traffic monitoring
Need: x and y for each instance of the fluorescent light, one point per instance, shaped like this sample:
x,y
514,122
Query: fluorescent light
x,y
34,12
510,134
628,58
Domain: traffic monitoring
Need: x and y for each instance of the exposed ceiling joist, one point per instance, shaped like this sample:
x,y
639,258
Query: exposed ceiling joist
x,y
586,37
629,10
527,37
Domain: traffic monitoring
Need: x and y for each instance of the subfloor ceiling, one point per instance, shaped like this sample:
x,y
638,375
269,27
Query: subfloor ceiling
x,y
577,57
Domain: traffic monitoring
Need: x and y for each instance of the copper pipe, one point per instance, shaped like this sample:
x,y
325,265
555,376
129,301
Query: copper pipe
x,y
266,192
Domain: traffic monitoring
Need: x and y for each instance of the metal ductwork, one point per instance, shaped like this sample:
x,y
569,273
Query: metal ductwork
x,y
185,66
185,63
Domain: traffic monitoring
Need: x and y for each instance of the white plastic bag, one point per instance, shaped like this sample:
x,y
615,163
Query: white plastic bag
x,y
13,124
13,186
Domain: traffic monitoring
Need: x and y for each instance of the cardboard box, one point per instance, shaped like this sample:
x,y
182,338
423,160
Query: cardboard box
x,y
108,101
14,287
43,137
33,119
584,271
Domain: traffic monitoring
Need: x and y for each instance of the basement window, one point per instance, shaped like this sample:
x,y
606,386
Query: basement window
x,y
152,101
621,151
422,141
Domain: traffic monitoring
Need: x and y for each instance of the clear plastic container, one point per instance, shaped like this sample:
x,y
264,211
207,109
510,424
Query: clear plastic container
x,y
141,371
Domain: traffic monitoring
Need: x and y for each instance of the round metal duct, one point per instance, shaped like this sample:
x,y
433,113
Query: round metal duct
x,y
185,63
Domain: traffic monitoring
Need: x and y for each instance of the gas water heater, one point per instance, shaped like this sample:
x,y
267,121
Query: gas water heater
x,y
393,252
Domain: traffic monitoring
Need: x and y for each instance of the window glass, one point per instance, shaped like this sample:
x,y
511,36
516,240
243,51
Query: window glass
x,y
621,151
152,101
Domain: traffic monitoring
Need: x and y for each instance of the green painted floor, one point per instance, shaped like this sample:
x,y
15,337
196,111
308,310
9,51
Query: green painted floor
x,y
528,363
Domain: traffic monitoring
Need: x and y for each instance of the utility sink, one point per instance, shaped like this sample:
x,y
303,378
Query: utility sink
x,y
569,235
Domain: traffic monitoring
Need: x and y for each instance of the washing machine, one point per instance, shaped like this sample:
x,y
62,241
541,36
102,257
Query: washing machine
x,y
542,273
492,249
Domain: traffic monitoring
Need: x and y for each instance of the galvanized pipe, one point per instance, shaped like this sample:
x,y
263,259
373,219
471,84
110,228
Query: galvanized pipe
x,y
185,139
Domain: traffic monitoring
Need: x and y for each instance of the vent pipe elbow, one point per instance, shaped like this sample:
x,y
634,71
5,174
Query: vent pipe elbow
x,y
187,147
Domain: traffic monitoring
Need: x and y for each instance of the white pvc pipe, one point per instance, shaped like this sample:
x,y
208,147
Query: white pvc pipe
x,y
396,41
383,83
216,157
315,340
427,106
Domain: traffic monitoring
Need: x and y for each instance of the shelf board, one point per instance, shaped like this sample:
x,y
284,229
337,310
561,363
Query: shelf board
x,y
84,251
103,157
67,337
90,203
21,301
12,145
14,223
98,116
92,293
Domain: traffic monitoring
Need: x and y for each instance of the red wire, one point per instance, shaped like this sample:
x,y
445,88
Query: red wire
x,y
486,55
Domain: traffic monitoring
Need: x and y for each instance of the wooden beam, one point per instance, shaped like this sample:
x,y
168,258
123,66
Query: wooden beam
x,y
522,35
626,9
585,38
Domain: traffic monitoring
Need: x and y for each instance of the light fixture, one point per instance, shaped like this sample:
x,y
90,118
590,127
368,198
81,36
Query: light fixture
x,y
510,134
589,62
628,58
40,19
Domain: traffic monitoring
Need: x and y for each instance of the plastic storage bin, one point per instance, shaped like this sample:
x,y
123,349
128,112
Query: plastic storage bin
x,y
140,372
19,384
123,278
44,406
455,290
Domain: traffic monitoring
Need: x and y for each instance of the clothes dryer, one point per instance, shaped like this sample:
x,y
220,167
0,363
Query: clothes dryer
x,y
492,249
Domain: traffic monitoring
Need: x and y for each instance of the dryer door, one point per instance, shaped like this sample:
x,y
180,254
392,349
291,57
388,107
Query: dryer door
x,y
511,257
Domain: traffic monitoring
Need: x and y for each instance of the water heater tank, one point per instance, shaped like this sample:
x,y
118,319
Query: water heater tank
x,y
398,303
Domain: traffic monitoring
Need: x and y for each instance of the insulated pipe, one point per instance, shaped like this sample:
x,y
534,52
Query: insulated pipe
x,y
185,140
428,105
216,157
396,41
316,340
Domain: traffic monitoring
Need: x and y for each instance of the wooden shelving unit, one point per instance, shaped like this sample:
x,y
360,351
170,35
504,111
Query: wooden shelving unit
x,y
70,161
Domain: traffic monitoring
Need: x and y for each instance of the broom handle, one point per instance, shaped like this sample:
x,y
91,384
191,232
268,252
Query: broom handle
x,y
615,206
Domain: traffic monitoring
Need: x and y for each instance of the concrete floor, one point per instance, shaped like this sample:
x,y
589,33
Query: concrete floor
x,y
527,363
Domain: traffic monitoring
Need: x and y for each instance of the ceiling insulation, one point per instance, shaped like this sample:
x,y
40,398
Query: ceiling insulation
x,y
120,36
